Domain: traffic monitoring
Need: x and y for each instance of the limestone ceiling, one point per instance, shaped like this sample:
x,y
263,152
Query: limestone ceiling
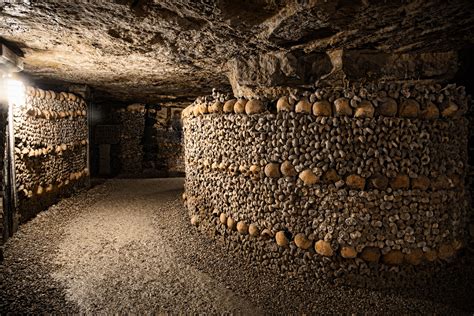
x,y
147,51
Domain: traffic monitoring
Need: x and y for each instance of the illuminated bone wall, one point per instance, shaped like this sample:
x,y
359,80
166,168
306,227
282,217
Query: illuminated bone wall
x,y
51,139
361,185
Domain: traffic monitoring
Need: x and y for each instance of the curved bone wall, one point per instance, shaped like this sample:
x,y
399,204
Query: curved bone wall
x,y
340,188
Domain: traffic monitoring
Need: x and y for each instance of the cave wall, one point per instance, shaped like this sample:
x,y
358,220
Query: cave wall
x,y
359,185
51,141
272,74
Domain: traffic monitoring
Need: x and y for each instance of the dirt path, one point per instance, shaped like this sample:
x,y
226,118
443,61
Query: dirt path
x,y
110,253
115,257
127,246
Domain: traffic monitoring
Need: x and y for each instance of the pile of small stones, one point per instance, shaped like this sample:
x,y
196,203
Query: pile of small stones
x,y
344,185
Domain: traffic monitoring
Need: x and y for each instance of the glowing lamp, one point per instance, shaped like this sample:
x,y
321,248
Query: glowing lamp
x,y
15,92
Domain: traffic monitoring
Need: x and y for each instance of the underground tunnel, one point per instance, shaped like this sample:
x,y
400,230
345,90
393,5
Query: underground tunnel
x,y
236,157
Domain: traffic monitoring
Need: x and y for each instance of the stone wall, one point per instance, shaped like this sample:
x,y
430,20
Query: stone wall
x,y
51,139
274,74
362,185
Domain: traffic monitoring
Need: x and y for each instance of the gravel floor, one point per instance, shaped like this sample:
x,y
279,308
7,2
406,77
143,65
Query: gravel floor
x,y
127,246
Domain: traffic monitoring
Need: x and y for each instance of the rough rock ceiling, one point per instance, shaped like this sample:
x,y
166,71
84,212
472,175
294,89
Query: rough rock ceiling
x,y
147,51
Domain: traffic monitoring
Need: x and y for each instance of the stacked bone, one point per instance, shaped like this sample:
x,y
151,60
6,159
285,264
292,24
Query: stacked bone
x,y
470,176
350,185
132,120
51,139
170,151
3,127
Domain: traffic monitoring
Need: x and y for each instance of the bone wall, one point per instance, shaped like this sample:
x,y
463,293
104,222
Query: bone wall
x,y
150,141
363,185
166,134
3,127
132,126
51,139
